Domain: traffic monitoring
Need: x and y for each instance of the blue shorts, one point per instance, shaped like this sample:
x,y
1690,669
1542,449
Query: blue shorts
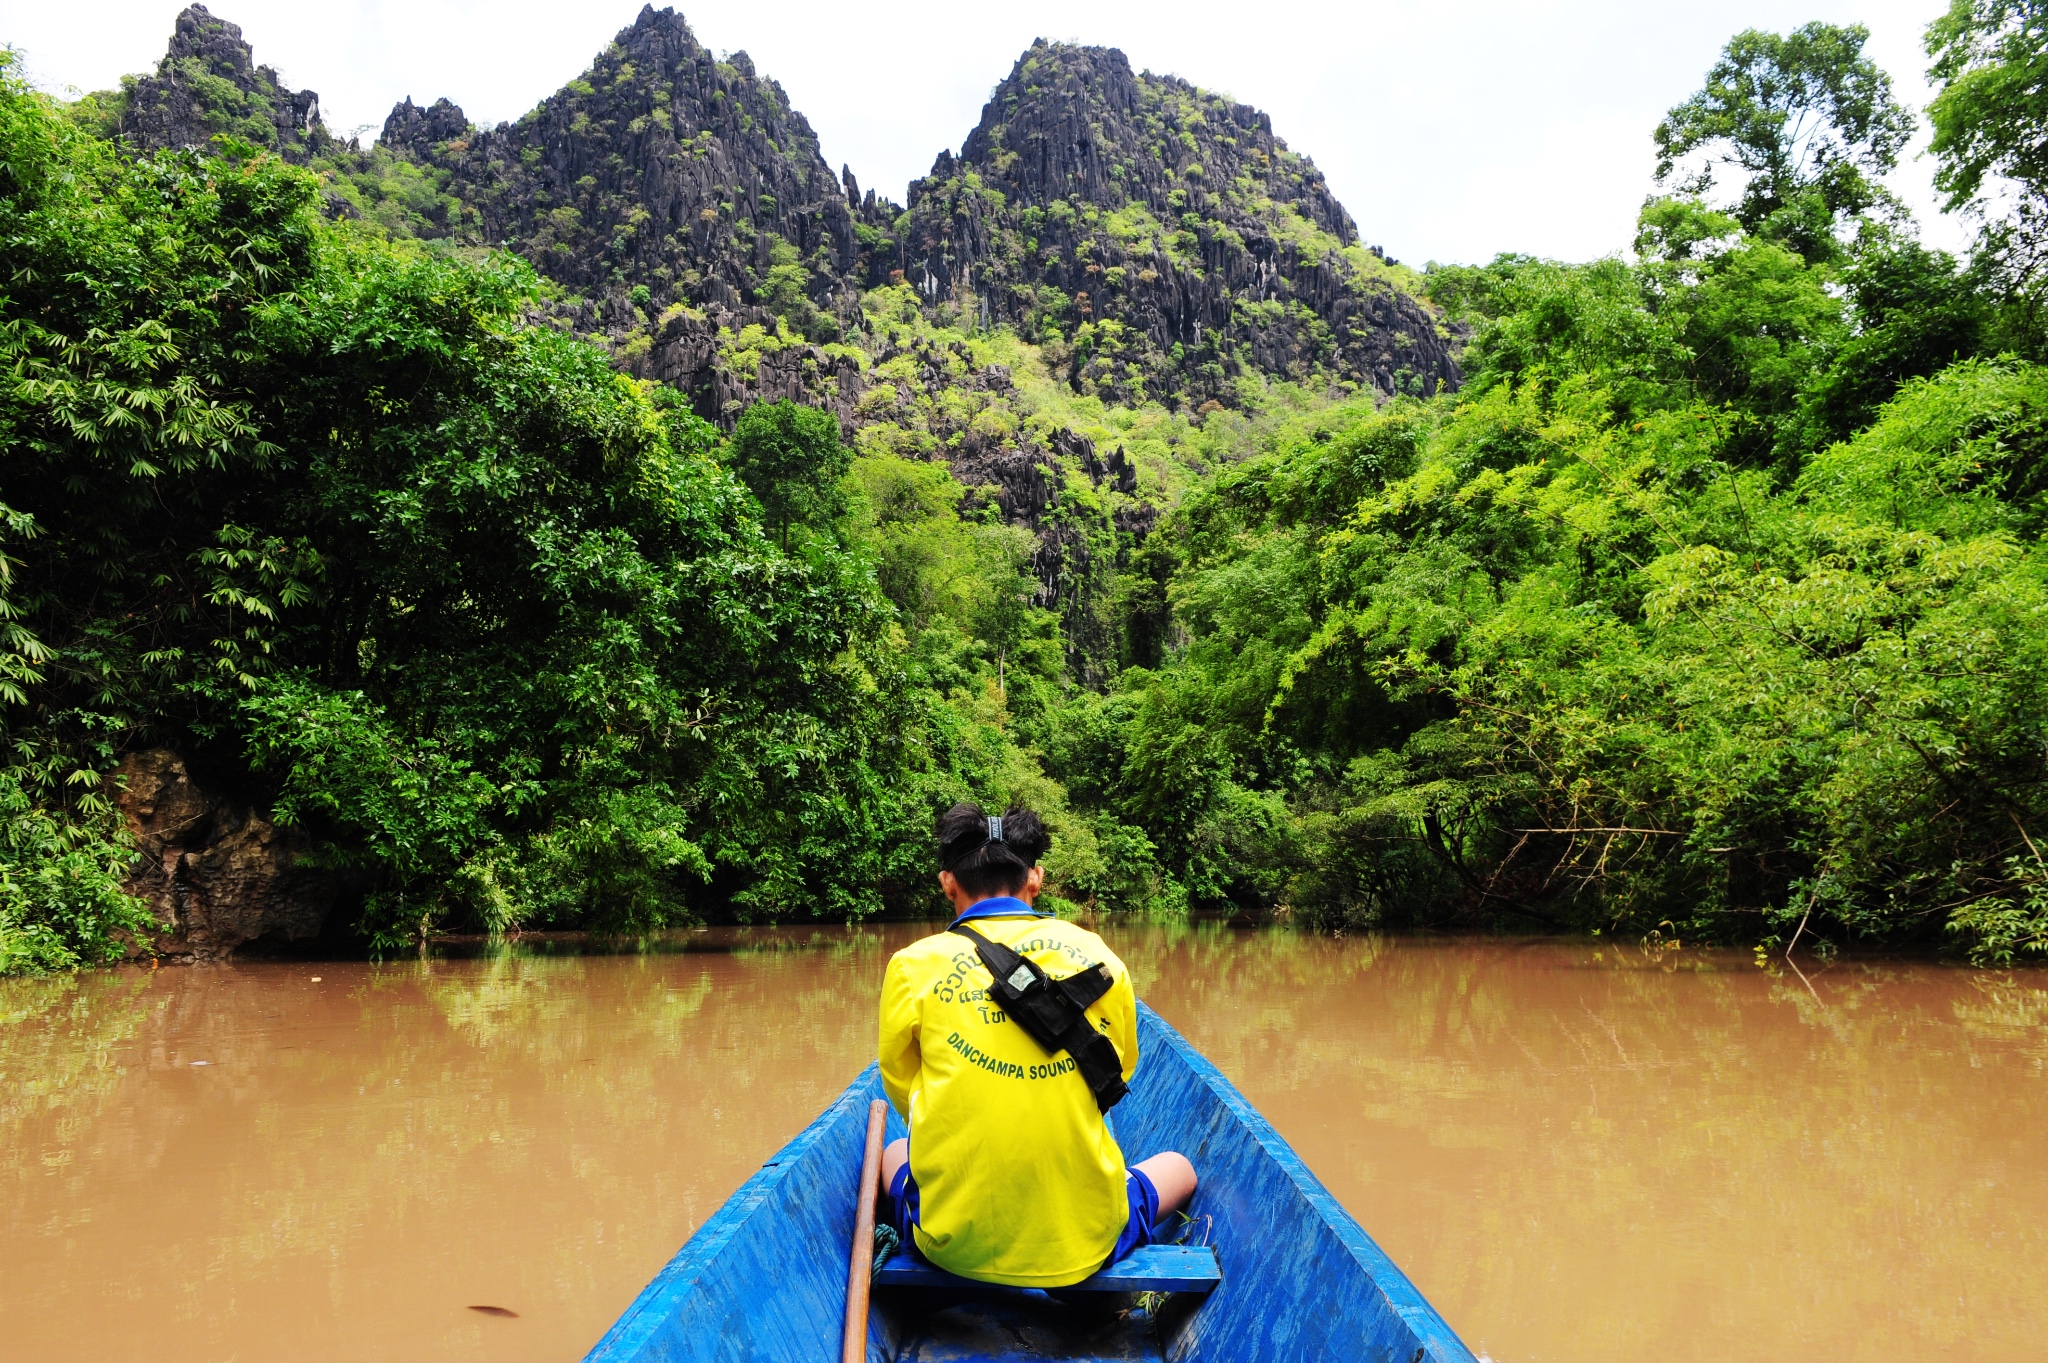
x,y
1140,1224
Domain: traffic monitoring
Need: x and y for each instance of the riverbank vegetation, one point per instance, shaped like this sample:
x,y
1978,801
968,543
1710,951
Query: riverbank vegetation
x,y
1712,603
326,515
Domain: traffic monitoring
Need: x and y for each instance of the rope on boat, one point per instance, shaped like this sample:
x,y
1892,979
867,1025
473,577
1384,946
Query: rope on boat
x,y
887,1242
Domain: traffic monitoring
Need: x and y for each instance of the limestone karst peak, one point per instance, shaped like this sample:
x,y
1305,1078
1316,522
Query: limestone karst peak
x,y
1090,194
175,107
415,129
1164,237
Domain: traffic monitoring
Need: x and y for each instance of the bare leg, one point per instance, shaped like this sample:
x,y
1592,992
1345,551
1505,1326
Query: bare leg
x,y
1171,1174
894,1156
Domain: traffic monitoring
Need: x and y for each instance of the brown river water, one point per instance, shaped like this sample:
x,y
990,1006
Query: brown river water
x,y
1580,1153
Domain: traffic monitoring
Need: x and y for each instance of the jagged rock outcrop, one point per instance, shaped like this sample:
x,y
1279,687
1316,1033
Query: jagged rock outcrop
x,y
1164,233
1159,237
665,168
683,351
208,83
218,875
415,131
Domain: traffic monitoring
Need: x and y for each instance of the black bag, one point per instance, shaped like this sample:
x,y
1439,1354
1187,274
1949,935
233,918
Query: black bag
x,y
1054,1012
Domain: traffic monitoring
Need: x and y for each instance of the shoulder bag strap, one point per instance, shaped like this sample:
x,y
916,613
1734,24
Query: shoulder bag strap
x,y
1054,1012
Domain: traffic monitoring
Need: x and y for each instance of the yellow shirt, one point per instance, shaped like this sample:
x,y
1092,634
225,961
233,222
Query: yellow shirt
x,y
1020,1180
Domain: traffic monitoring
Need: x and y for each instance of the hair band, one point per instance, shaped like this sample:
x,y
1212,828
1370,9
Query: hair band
x,y
995,828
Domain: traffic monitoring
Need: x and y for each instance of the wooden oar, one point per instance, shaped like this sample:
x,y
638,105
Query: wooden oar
x,y
855,1347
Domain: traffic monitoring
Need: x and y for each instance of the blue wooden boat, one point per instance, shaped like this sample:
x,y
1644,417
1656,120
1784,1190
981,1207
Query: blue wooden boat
x,y
765,1278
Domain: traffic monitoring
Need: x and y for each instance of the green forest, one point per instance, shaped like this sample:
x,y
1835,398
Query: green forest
x,y
1711,602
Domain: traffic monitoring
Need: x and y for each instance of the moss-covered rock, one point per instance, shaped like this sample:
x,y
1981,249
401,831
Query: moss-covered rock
x,y
661,169
1166,236
208,85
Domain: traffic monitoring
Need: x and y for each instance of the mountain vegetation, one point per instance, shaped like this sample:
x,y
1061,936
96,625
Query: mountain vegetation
x,y
614,519
1162,240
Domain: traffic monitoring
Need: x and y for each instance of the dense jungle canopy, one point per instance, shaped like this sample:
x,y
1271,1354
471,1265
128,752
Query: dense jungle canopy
x,y
1710,601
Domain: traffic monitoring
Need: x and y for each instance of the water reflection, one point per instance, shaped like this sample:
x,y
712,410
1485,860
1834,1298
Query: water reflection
x,y
357,1161
1590,1153
1579,1152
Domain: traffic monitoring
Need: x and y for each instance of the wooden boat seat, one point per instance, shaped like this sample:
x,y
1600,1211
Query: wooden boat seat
x,y
1149,1268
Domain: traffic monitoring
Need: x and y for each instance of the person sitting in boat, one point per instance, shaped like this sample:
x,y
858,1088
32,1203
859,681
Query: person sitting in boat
x,y
1011,1173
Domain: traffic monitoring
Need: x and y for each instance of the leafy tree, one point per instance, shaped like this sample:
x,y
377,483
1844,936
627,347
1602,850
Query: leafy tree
x,y
1990,64
1620,635
321,511
790,457
1805,117
1003,614
1990,58
925,560
1914,312
1711,314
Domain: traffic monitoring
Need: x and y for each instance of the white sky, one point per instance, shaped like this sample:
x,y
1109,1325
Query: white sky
x,y
1451,130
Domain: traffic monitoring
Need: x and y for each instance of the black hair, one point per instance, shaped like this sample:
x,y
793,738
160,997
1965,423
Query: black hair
x,y
985,866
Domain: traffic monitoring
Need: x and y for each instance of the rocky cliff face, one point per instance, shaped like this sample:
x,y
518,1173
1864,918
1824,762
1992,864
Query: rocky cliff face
x,y
1165,234
1159,238
208,83
662,177
692,350
218,875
